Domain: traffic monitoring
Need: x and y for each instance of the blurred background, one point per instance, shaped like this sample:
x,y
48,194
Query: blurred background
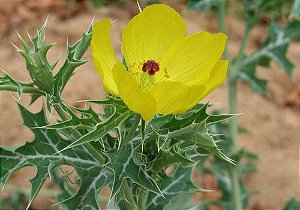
x,y
272,122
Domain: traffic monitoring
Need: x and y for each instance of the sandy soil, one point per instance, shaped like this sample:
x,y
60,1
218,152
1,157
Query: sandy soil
x,y
273,128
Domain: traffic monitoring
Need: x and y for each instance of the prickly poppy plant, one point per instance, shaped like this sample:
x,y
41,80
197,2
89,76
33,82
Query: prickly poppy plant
x,y
152,133
164,70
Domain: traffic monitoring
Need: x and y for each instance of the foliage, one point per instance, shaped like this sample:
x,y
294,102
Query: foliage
x,y
114,148
282,30
296,10
274,48
292,204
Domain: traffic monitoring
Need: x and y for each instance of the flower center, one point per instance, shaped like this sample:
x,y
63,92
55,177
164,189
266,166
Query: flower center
x,y
151,67
148,73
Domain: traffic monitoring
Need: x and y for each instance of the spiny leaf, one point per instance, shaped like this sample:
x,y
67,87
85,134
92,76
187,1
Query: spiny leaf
x,y
40,153
36,60
197,114
120,114
10,84
274,48
197,133
87,121
248,74
178,183
124,167
75,52
87,196
167,157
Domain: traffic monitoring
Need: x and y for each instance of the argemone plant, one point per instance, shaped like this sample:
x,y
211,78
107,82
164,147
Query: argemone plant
x,y
152,133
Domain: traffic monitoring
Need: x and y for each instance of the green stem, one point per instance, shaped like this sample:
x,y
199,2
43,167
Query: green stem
x,y
130,201
243,45
25,89
233,126
236,190
221,15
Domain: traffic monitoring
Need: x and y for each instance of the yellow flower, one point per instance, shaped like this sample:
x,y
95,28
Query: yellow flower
x,y
164,71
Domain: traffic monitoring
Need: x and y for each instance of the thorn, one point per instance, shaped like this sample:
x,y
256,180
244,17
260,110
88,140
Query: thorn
x,y
1,69
18,49
139,6
115,20
29,36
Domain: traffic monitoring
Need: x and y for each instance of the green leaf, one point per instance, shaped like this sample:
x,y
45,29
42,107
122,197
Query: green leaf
x,y
88,120
274,48
221,172
121,113
10,84
75,52
292,204
189,127
197,114
184,201
37,64
123,162
197,134
272,9
248,74
179,183
295,14
87,195
41,153
168,157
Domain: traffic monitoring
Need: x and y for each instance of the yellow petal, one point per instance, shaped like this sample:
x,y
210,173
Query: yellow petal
x,y
136,100
191,59
174,97
217,76
150,34
103,54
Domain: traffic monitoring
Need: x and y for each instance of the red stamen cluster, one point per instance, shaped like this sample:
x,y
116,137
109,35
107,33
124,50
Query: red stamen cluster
x,y
151,67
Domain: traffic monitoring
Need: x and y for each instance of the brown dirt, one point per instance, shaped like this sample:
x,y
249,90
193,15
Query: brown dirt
x,y
273,128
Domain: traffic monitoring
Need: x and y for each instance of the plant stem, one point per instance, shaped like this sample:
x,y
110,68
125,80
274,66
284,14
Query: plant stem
x,y
221,14
243,44
233,126
25,89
